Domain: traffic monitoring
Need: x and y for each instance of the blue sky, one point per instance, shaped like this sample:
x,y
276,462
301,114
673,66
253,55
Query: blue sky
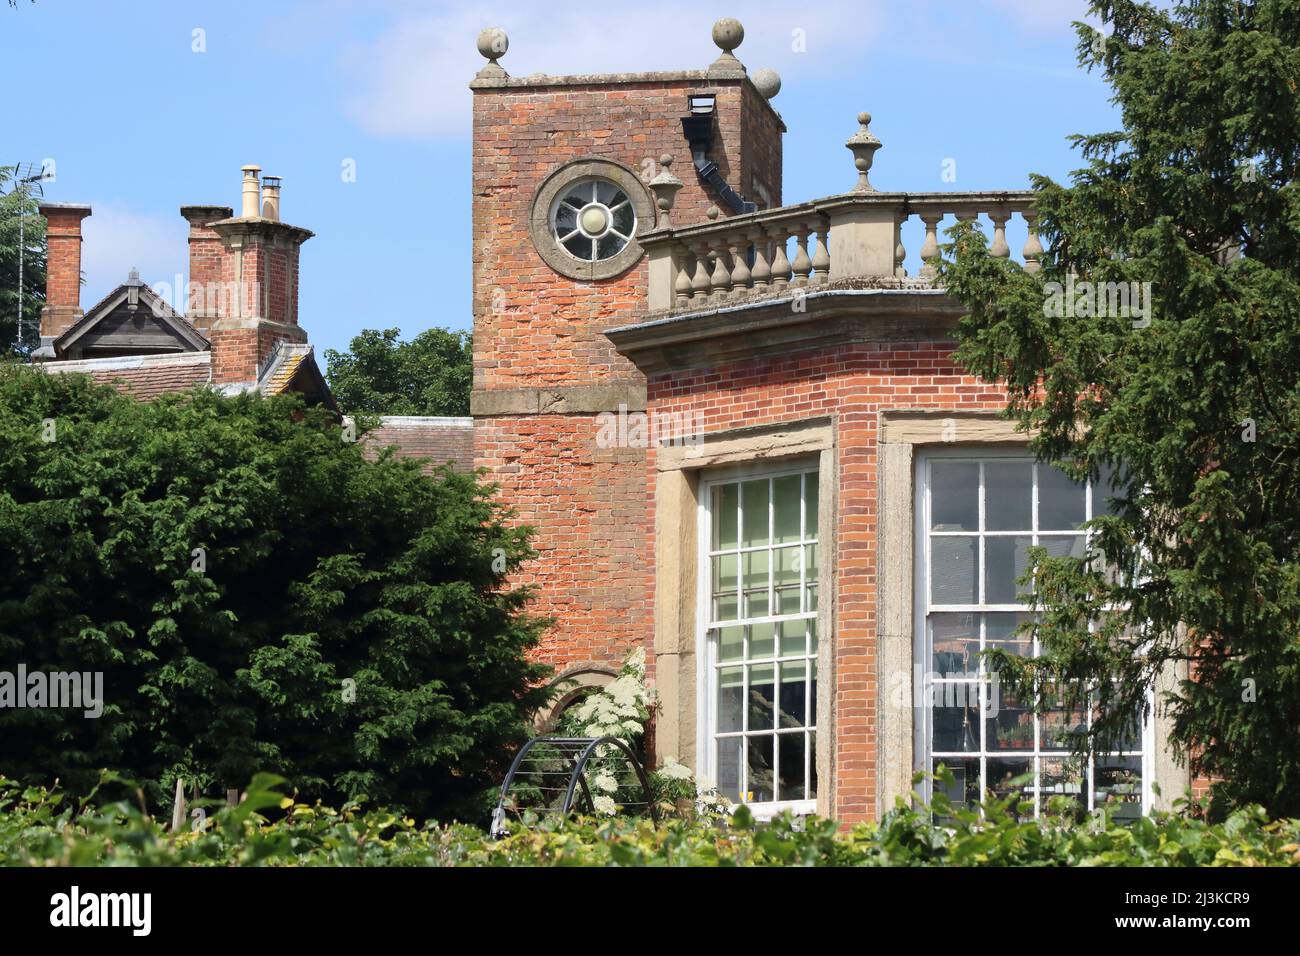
x,y
138,123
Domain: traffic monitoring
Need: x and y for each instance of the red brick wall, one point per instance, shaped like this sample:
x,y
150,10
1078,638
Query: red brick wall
x,y
534,328
854,384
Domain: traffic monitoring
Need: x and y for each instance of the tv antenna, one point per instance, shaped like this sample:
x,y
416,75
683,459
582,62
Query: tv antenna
x,y
26,176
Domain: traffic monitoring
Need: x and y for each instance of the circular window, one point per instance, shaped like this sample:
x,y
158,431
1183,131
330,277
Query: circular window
x,y
593,220
585,217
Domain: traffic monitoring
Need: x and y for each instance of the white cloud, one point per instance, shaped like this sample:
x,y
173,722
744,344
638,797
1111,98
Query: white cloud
x,y
118,239
411,81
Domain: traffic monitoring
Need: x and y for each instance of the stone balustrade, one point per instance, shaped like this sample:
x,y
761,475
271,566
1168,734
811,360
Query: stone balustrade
x,y
853,240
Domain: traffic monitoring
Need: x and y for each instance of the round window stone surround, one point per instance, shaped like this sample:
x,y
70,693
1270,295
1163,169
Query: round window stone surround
x,y
556,183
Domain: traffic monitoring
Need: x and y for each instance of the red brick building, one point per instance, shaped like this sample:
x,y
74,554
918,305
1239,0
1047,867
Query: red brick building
x,y
239,332
739,431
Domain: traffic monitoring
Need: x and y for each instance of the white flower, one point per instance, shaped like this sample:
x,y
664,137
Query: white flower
x,y
674,770
605,782
605,805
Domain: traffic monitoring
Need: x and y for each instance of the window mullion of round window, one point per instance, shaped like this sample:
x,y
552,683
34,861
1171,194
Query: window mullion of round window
x,y
594,234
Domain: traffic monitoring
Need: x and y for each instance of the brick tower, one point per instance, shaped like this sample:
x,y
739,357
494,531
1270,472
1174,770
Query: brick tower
x,y
560,172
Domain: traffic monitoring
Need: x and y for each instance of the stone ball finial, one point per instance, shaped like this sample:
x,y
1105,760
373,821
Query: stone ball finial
x,y
768,82
728,33
493,43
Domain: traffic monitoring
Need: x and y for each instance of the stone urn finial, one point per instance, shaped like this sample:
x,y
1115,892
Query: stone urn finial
x,y
864,144
665,187
728,33
493,44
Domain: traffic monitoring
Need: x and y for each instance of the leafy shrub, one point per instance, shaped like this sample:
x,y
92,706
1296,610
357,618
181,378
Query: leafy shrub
x,y
228,564
38,827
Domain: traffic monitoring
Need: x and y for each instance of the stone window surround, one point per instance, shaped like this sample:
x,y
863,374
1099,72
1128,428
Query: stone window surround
x,y
900,435
679,526
560,179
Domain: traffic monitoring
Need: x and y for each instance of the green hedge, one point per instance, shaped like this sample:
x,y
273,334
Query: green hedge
x,y
40,828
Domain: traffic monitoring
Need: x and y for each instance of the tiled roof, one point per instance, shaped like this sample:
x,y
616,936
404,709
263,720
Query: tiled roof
x,y
440,439
280,374
142,376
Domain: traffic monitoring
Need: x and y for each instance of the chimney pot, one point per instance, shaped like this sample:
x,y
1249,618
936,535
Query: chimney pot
x,y
252,189
271,197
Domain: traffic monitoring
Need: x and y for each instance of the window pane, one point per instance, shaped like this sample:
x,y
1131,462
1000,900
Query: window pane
x,y
1118,783
964,791
724,572
812,766
1008,559
812,636
731,698
1010,723
762,641
724,516
625,219
794,693
753,502
1008,495
731,643
762,702
792,637
1062,777
729,767
756,581
1062,724
1060,500
1012,777
758,752
724,607
566,219
1064,546
810,504
1000,633
952,574
609,245
956,720
580,246
786,509
791,764
954,496
954,643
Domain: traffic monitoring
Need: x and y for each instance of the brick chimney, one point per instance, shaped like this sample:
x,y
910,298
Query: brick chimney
x,y
207,255
62,267
252,260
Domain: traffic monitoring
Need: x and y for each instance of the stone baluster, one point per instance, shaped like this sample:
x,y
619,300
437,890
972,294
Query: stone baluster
x,y
999,248
900,253
821,260
780,264
740,273
700,279
682,286
720,281
1033,251
762,272
802,264
930,248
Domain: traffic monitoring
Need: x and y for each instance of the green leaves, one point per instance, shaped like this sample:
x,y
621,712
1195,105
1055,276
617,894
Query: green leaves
x,y
319,567
268,828
1197,410
380,375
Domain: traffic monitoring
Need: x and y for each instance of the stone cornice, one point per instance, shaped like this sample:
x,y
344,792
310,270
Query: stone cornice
x,y
771,327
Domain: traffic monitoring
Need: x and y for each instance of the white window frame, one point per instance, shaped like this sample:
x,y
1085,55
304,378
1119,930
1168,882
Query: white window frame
x,y
921,661
706,649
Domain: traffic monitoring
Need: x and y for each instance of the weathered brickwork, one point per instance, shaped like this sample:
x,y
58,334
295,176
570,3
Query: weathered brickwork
x,y
535,328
